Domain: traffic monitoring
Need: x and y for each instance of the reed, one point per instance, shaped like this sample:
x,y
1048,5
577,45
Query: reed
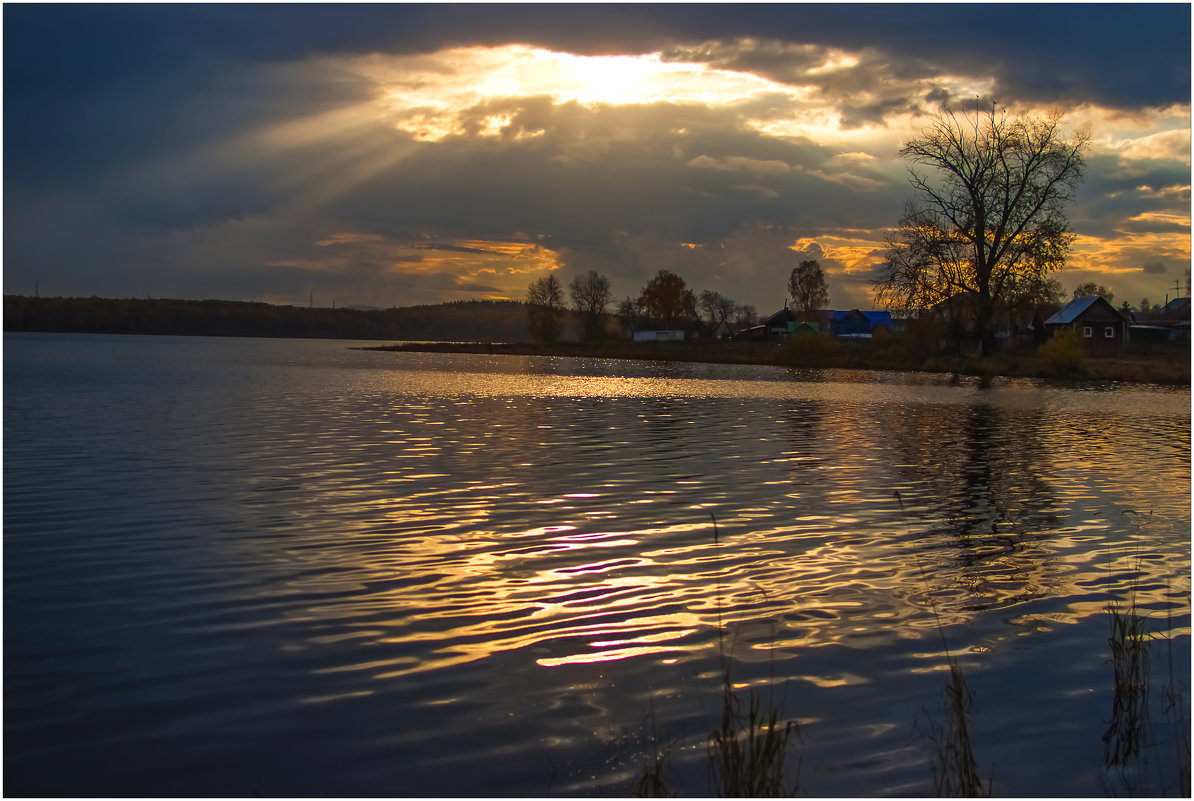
x,y
1176,705
652,782
1130,740
954,764
1126,737
749,749
748,752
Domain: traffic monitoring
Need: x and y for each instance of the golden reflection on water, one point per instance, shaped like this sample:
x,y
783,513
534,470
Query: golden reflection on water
x,y
570,516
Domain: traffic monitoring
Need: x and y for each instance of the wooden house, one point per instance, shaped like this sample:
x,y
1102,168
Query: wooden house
x,y
1097,322
859,324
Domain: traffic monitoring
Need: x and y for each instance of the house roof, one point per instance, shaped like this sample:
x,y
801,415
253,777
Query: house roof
x,y
1176,309
873,317
1074,309
781,317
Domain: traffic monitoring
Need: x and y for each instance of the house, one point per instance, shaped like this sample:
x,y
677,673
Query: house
x,y
1096,321
782,323
659,336
855,324
1175,316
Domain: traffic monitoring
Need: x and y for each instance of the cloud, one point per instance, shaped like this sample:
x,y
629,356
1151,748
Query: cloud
x,y
398,150
741,164
1154,268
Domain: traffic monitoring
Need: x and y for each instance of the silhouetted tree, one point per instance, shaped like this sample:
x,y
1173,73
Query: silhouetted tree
x,y
628,315
717,309
807,287
1090,289
545,308
1031,294
745,316
667,301
590,295
996,212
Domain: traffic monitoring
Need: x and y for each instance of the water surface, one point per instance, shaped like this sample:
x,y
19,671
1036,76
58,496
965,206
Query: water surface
x,y
288,567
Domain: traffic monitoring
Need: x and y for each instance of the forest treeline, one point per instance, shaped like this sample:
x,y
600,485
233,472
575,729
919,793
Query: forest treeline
x,y
468,320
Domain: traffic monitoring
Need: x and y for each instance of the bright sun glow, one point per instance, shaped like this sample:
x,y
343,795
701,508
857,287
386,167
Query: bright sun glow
x,y
426,95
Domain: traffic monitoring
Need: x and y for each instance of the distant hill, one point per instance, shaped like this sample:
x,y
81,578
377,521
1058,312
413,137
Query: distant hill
x,y
469,320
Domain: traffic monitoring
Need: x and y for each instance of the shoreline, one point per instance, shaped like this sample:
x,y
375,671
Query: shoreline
x,y
1168,366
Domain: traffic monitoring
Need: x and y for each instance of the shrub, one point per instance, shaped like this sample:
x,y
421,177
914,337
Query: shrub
x,y
809,349
1064,354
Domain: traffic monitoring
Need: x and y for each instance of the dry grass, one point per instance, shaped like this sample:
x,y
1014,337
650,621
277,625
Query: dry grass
x,y
1168,365
1130,741
748,753
955,767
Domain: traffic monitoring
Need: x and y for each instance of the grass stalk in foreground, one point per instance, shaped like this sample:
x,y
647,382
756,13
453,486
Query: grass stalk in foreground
x,y
652,782
955,767
748,753
1129,741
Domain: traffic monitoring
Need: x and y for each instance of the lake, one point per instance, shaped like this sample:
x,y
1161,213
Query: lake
x,y
292,568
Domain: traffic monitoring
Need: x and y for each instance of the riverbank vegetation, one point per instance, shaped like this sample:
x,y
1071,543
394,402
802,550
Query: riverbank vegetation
x,y
500,327
1154,364
490,320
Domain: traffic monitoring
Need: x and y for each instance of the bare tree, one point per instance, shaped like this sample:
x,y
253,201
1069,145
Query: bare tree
x,y
717,309
628,315
994,215
807,287
745,316
590,295
545,302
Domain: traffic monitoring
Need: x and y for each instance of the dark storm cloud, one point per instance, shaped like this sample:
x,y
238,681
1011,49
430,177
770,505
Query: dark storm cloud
x,y
1154,268
142,141
1113,193
1038,52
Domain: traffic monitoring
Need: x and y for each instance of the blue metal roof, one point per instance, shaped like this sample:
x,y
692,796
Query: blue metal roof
x,y
1069,312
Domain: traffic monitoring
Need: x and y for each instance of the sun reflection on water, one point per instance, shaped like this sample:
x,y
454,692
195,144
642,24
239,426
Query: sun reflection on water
x,y
569,517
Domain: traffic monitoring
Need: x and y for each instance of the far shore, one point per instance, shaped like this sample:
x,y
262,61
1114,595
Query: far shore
x,y
1158,364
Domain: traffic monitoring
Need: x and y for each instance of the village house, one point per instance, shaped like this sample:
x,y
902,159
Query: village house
x,y
852,324
857,324
1097,322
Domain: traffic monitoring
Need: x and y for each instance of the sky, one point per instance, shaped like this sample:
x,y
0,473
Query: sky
x,y
397,154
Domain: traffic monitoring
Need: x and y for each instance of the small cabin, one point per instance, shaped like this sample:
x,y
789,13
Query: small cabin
x,y
856,324
1097,322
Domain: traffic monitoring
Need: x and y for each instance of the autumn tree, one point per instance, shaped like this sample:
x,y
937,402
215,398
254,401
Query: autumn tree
x,y
667,301
989,210
807,287
1029,296
545,308
590,295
